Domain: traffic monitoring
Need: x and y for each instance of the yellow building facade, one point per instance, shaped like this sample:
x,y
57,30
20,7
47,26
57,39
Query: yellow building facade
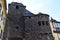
x,y
1,22
55,35
1,29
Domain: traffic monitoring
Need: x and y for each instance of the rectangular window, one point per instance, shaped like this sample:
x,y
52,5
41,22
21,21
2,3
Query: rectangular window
x,y
29,17
43,23
0,18
46,22
17,7
39,23
0,33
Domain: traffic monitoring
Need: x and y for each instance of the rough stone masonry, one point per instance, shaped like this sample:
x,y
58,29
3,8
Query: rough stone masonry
x,y
24,25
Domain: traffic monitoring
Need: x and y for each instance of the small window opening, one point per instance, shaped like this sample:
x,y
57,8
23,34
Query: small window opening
x,y
17,27
0,33
39,23
43,23
38,16
17,7
2,13
29,17
1,18
46,22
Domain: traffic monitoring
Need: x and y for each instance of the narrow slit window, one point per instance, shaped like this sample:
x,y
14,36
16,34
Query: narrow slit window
x,y
0,31
17,27
46,22
39,23
43,23
17,7
29,17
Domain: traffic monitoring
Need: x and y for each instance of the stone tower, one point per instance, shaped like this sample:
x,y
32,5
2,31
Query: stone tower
x,y
24,25
14,27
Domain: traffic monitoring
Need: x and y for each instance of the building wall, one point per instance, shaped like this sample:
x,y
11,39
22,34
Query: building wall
x,y
1,23
0,1
35,30
55,35
26,27
15,22
1,29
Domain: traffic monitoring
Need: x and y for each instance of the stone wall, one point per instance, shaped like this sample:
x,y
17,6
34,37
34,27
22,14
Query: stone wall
x,y
14,26
34,30
35,27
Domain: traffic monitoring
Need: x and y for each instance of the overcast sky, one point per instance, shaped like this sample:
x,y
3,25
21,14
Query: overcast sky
x,y
51,7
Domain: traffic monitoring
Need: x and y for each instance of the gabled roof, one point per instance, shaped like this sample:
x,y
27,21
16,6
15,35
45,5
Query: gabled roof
x,y
27,13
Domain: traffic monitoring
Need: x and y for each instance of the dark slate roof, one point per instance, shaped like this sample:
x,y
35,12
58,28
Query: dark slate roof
x,y
27,13
53,20
42,14
16,3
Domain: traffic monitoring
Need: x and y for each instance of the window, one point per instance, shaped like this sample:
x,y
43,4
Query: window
x,y
46,22
17,7
0,18
0,5
39,23
0,33
43,23
2,13
29,17
17,27
58,35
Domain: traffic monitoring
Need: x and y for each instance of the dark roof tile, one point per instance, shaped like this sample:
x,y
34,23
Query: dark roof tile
x,y
27,13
